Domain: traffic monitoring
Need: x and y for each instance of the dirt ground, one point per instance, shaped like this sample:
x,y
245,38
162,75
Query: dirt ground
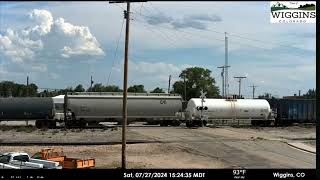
x,y
271,133
139,155
172,147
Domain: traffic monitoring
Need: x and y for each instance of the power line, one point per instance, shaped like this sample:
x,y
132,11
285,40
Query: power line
x,y
186,32
118,6
162,35
230,34
207,37
172,41
115,52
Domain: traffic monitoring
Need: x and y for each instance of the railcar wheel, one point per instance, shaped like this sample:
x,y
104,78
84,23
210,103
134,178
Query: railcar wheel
x,y
38,124
204,123
176,123
163,123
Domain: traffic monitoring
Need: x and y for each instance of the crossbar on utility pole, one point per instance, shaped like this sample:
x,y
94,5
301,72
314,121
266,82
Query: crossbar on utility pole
x,y
240,78
125,80
253,90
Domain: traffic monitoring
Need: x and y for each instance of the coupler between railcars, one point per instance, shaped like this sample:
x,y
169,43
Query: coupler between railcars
x,y
170,122
46,124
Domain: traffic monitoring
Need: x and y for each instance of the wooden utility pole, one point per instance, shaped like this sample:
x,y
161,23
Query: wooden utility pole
x,y
125,80
240,78
253,90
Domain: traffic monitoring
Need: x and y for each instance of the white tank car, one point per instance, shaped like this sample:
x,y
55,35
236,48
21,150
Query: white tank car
x,y
108,106
251,109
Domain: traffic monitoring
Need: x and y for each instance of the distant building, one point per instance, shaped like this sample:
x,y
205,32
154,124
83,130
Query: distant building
x,y
294,97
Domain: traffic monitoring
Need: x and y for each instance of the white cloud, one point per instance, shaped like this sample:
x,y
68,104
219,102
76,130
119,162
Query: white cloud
x,y
44,21
48,37
151,74
54,76
39,68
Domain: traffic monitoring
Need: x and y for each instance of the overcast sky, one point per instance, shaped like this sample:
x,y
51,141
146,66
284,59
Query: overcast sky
x,y
60,44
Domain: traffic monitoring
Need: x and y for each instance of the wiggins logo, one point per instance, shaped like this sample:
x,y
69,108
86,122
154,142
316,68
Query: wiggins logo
x,y
293,12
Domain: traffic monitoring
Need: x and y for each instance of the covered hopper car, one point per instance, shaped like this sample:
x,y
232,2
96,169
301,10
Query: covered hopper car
x,y
98,107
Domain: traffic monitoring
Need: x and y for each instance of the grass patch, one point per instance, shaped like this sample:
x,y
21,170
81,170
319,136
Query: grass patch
x,y
27,129
6,128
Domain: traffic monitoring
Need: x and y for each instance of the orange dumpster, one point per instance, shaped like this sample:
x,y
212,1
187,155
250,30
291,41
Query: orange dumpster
x,y
57,155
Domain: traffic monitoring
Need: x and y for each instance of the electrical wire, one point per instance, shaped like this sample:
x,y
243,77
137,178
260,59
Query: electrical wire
x,y
115,53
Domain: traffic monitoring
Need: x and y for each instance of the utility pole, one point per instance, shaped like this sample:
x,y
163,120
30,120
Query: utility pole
x,y
253,89
185,87
223,93
226,82
240,78
27,122
27,86
91,82
125,80
169,84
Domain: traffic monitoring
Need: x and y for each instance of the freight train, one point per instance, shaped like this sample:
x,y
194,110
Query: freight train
x,y
81,109
288,111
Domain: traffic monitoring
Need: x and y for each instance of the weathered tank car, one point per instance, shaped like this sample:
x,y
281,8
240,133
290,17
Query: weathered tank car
x,y
40,109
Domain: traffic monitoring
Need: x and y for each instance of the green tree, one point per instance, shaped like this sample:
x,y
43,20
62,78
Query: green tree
x,y
97,88
157,90
10,88
112,88
311,94
79,88
266,96
196,79
136,89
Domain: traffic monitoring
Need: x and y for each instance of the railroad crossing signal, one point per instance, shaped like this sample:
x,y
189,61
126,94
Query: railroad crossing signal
x,y
203,95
